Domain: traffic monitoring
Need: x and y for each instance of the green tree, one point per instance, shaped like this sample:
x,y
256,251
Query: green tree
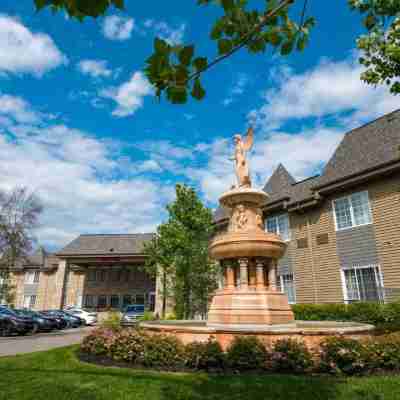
x,y
177,70
178,255
19,214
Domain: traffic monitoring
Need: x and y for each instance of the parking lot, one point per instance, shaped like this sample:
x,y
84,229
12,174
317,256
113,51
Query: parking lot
x,y
41,341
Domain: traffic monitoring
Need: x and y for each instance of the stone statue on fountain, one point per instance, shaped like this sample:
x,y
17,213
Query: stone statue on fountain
x,y
242,147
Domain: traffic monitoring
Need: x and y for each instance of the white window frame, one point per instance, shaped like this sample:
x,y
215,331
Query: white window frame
x,y
282,284
32,277
353,224
32,298
276,218
378,276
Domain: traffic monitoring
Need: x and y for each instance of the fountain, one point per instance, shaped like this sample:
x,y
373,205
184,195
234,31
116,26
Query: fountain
x,y
249,302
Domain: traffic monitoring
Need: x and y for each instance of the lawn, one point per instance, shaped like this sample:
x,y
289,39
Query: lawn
x,y
59,375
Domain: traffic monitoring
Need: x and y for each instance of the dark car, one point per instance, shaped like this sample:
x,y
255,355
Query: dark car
x,y
12,323
43,323
61,323
73,321
132,314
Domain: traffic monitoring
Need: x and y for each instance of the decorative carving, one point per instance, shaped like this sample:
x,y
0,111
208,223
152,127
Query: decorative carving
x,y
260,220
241,163
241,217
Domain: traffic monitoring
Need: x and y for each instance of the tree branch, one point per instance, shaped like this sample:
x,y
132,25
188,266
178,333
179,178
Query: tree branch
x,y
245,39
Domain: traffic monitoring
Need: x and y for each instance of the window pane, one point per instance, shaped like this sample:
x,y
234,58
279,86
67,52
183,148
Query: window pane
x,y
351,284
114,302
272,225
102,301
342,212
283,227
360,204
287,282
89,301
127,299
140,299
368,284
36,277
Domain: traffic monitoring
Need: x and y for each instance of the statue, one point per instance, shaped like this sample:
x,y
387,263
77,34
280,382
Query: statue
x,y
241,164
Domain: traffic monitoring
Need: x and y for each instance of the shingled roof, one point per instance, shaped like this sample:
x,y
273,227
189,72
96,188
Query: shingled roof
x,y
124,244
370,146
367,148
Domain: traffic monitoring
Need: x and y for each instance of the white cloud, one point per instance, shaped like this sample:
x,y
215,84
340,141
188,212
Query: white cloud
x,y
117,28
94,68
172,35
129,96
18,109
83,184
22,51
331,88
237,90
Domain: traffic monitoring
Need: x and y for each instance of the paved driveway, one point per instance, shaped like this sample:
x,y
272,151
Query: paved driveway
x,y
42,341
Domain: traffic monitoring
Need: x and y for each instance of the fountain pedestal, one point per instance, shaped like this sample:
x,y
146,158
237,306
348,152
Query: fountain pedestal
x,y
248,257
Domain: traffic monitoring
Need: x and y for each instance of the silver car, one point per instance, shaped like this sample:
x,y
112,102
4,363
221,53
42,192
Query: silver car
x,y
132,314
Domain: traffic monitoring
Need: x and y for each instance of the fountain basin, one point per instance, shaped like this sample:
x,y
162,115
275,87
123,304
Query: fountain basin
x,y
311,332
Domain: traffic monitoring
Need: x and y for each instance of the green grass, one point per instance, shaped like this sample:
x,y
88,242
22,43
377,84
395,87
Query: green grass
x,y
59,375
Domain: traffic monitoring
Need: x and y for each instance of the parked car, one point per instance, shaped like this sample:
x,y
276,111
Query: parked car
x,y
61,323
72,320
90,318
12,323
132,314
44,324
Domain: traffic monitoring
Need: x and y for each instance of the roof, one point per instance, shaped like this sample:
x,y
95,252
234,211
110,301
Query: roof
x,y
125,244
367,148
370,146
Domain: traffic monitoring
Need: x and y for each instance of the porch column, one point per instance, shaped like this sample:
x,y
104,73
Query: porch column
x,y
229,276
244,273
272,276
252,275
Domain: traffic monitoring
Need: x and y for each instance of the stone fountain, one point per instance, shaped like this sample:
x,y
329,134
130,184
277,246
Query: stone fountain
x,y
249,302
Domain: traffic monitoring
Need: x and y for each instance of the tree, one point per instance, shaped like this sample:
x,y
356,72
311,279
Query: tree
x,y
177,70
19,214
178,254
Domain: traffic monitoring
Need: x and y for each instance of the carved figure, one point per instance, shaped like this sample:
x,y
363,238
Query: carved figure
x,y
242,146
241,217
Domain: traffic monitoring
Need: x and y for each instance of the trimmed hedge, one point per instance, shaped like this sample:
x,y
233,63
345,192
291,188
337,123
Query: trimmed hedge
x,y
386,317
337,355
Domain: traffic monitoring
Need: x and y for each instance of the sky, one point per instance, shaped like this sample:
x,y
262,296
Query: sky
x,y
80,125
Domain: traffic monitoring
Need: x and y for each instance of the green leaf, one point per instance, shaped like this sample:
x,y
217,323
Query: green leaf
x,y
287,48
41,4
200,63
161,46
119,4
302,43
228,5
224,46
186,55
198,92
177,94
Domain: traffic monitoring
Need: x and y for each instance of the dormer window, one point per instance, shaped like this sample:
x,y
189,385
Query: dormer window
x,y
280,225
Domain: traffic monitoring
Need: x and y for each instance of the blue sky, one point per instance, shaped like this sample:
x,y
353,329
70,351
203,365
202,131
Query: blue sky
x,y
80,126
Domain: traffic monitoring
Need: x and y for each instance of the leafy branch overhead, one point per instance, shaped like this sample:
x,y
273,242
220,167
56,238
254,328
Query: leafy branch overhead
x,y
177,70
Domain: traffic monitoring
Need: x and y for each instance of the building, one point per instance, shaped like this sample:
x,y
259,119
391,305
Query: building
x,y
342,227
93,271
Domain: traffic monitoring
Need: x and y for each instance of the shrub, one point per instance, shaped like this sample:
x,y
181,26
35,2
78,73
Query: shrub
x,y
372,313
343,356
290,355
246,353
384,352
98,342
128,345
161,351
112,321
148,316
208,355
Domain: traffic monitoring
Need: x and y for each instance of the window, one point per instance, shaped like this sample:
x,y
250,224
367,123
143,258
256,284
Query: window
x,y
114,301
91,275
126,300
88,301
288,287
32,277
101,275
139,299
102,301
29,301
279,225
362,283
351,211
